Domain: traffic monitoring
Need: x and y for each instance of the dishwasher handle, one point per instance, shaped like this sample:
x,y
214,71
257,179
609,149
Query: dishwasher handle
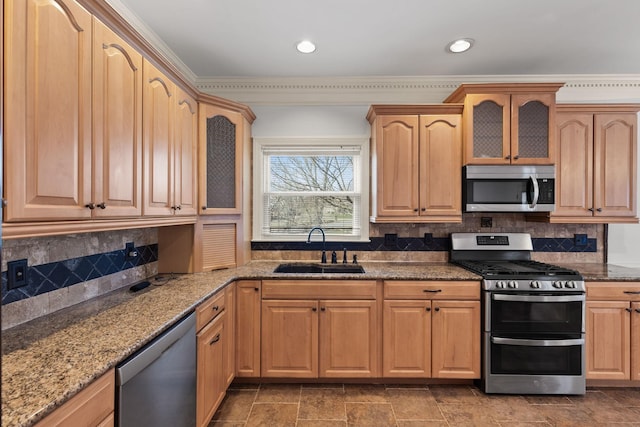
x,y
145,356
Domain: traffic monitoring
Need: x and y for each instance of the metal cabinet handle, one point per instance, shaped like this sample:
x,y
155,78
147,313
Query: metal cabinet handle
x,y
428,309
204,208
215,339
102,205
516,157
323,309
637,310
590,209
628,310
178,207
507,157
90,206
256,289
432,291
632,292
437,309
415,210
599,209
423,209
215,308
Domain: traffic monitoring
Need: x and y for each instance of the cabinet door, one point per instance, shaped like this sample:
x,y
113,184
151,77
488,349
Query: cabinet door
x,y
533,129
406,339
289,338
184,161
247,328
487,129
348,339
574,164
117,125
158,115
47,110
220,184
397,165
635,341
615,159
211,384
607,340
230,331
440,165
455,340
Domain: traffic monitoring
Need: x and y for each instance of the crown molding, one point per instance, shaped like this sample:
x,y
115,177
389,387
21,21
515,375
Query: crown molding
x,y
152,39
409,89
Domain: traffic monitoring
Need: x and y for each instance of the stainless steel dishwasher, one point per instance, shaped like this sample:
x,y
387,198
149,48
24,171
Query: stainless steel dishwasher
x,y
157,385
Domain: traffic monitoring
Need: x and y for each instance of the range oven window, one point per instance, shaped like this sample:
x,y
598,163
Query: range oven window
x,y
515,359
516,314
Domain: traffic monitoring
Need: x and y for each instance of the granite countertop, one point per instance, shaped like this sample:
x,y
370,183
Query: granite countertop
x,y
48,360
606,272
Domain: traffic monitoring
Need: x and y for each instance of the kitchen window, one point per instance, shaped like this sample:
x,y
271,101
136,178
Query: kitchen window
x,y
301,183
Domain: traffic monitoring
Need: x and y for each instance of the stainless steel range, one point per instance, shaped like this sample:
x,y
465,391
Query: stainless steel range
x,y
533,316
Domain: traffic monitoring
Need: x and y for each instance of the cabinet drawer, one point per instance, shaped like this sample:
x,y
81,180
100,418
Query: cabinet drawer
x,y
613,291
412,289
319,289
209,309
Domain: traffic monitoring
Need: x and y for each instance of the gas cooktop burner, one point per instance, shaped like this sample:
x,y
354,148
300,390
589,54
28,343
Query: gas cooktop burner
x,y
504,262
516,268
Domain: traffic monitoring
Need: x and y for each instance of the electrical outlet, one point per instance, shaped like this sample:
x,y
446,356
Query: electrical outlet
x,y
130,251
580,239
428,238
391,239
486,222
17,273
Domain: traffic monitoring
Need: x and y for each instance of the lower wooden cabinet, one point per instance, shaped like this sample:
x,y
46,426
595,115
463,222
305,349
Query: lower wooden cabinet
x,y
425,336
613,331
211,355
332,337
92,407
230,331
247,328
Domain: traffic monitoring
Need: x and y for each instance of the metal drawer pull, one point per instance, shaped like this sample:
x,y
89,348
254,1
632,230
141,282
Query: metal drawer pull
x,y
215,308
215,339
433,291
537,343
539,298
632,292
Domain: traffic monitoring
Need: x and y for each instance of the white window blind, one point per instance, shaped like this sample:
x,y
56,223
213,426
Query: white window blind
x,y
300,184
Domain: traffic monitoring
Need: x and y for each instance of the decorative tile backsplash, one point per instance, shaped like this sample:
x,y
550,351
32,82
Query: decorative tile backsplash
x,y
60,274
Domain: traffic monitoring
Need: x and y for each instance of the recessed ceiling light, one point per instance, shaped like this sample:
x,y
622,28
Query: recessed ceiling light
x,y
460,45
305,46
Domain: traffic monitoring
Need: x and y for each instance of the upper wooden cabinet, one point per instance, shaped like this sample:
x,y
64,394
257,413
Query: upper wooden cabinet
x,y
47,107
416,163
221,144
170,128
185,184
117,125
508,123
596,170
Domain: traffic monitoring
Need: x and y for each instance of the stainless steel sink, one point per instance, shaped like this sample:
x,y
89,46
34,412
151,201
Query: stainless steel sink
x,y
319,268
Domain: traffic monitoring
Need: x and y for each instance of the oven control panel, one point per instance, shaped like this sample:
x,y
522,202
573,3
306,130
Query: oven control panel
x,y
534,285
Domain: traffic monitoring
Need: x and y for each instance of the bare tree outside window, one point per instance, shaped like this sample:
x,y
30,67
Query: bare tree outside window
x,y
311,190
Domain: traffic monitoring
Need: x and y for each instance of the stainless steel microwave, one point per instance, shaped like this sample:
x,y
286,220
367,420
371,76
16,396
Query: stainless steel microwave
x,y
508,188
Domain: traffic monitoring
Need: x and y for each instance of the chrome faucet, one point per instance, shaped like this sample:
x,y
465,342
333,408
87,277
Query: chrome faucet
x,y
324,254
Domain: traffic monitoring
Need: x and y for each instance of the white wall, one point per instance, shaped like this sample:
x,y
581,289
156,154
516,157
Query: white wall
x,y
349,120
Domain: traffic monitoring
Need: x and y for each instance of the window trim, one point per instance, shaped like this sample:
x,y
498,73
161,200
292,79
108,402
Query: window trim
x,y
259,145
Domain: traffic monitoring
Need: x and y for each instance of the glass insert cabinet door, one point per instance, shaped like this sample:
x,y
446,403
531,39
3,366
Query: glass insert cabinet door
x,y
509,129
220,160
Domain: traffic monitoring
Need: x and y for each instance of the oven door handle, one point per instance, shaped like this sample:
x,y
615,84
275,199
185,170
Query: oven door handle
x,y
536,192
537,343
539,298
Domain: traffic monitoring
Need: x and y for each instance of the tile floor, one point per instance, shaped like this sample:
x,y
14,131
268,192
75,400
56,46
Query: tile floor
x,y
320,405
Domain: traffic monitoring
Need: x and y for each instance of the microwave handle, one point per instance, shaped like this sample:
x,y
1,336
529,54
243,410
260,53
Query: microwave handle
x,y
536,191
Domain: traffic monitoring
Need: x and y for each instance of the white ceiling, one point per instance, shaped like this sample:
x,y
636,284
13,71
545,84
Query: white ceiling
x,y
256,38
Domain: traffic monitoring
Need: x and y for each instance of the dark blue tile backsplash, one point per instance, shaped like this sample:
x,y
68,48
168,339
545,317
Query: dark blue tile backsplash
x,y
427,243
57,275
